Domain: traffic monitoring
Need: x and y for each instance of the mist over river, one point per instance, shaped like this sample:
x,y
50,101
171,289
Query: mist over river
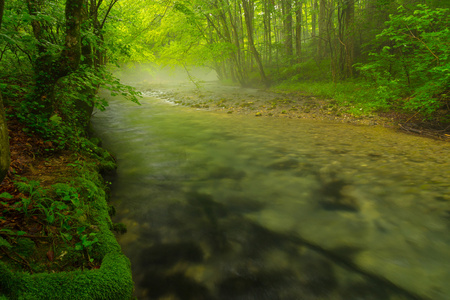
x,y
224,206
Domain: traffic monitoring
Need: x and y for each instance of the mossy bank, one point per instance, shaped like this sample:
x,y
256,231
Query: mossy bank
x,y
56,236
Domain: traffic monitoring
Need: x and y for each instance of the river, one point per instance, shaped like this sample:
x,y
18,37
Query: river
x,y
222,206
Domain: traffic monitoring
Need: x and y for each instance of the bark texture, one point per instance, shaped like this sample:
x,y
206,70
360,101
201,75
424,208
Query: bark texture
x,y
5,159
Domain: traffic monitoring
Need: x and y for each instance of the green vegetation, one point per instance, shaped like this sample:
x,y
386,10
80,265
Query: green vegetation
x,y
366,56
414,63
74,217
56,237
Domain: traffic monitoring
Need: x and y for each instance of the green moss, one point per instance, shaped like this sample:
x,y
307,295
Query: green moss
x,y
24,247
111,281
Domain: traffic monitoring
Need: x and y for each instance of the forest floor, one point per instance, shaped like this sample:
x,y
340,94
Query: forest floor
x,y
282,104
35,244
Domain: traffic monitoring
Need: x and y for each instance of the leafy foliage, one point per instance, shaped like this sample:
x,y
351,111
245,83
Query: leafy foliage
x,y
414,61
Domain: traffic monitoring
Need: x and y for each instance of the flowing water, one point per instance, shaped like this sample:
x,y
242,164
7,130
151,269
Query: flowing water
x,y
234,207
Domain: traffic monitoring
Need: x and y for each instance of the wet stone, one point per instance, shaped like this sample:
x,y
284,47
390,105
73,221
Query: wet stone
x,y
287,164
333,196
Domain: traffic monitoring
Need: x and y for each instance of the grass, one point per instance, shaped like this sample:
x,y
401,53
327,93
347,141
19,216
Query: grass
x,y
352,96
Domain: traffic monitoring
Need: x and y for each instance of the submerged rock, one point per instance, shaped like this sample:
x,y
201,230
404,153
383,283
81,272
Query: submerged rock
x,y
334,195
226,172
285,164
318,274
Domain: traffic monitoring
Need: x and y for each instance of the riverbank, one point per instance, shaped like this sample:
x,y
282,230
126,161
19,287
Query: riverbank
x,y
56,238
280,103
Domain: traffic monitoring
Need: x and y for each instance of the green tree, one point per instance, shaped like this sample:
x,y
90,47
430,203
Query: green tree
x,y
248,13
414,60
49,67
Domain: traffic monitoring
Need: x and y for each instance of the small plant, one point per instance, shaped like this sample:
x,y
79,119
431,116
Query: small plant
x,y
25,205
32,189
6,195
67,194
87,240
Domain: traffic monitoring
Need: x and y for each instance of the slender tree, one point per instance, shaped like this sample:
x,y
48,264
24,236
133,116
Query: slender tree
x,y
323,28
248,12
298,30
349,9
4,140
313,18
287,10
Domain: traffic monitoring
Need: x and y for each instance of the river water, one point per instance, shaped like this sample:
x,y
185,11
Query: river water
x,y
223,206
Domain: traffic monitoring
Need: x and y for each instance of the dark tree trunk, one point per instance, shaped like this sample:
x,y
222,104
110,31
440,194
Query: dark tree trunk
x,y
288,28
323,30
349,38
4,139
49,69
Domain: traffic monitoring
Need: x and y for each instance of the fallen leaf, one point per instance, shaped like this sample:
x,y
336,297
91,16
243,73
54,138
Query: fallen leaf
x,y
50,255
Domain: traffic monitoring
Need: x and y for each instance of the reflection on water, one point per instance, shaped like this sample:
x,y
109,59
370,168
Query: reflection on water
x,y
227,207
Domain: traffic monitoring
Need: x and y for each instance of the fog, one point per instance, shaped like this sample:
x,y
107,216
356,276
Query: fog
x,y
155,74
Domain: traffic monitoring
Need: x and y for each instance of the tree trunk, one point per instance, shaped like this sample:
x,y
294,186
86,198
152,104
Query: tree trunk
x,y
48,69
346,40
349,38
288,28
4,141
5,158
323,31
298,31
269,32
313,18
237,72
248,22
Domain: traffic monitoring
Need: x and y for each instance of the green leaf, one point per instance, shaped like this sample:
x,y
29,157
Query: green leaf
x,y
6,195
4,243
55,119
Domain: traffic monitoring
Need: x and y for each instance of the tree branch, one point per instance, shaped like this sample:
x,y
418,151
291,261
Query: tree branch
x,y
426,46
